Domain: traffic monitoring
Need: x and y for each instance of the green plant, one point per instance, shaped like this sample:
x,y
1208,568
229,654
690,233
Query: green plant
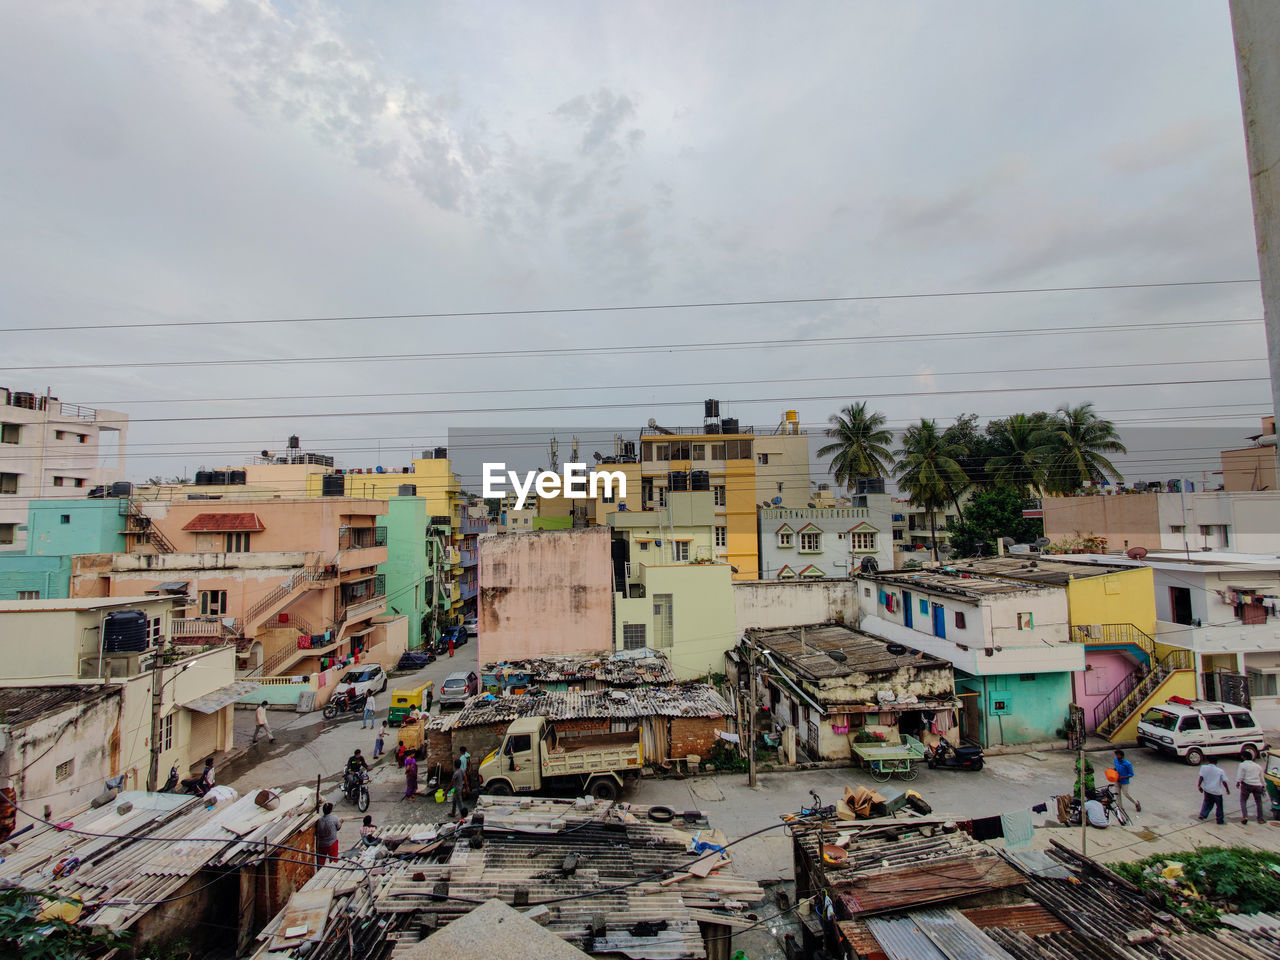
x,y
24,934
178,948
1088,778
1203,884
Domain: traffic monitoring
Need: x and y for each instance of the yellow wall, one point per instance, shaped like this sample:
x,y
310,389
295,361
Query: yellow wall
x,y
703,622
1125,597
740,518
1180,683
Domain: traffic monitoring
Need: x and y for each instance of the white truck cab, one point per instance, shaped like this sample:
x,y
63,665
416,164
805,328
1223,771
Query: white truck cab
x,y
1195,729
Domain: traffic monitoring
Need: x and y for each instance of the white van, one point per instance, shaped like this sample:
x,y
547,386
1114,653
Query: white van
x,y
1194,729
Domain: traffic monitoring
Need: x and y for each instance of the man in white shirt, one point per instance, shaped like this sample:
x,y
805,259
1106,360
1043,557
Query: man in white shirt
x,y
1250,784
260,718
370,707
1213,784
1095,813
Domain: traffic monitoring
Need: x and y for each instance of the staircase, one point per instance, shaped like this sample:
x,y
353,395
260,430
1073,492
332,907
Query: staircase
x,y
139,525
1131,694
280,596
1116,635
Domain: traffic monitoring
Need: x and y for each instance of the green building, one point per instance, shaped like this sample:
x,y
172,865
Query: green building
x,y
58,530
417,567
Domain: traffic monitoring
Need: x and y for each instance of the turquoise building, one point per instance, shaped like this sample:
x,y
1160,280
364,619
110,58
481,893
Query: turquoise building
x,y
58,530
408,566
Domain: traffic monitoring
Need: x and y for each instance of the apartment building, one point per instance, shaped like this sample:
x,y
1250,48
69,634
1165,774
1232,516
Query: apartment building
x,y
830,541
53,450
914,536
1252,468
58,530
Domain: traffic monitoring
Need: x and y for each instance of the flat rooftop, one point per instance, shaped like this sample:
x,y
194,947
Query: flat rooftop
x,y
958,584
806,649
1039,569
78,603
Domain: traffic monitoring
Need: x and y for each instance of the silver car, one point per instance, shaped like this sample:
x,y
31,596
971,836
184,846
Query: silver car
x,y
458,687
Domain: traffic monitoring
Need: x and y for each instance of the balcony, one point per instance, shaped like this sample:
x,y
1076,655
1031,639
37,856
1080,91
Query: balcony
x,y
474,525
470,557
200,628
468,590
359,538
360,598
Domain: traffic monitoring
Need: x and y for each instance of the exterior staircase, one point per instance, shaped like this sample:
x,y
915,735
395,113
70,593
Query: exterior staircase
x,y
1117,635
1133,692
139,525
284,594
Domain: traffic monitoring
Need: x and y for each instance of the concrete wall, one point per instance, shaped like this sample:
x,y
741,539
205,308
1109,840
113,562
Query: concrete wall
x,y
1103,672
91,526
1036,706
1152,520
406,566
289,525
786,603
1124,597
702,615
545,593
46,576
1131,520
836,558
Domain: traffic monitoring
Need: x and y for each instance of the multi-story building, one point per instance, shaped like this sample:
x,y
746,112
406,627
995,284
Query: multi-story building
x,y
294,584
1180,521
106,688
1008,640
1252,468
53,450
475,523
58,530
743,468
913,536
825,541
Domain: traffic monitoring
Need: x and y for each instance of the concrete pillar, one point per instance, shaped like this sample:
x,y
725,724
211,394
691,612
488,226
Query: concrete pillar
x,y
1256,26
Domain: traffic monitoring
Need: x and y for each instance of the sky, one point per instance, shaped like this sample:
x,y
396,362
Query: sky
x,y
197,163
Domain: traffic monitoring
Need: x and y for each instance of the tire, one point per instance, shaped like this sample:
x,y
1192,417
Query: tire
x,y
661,814
977,765
1248,752
603,789
932,763
499,788
910,773
1194,757
1122,818
362,800
329,711
879,775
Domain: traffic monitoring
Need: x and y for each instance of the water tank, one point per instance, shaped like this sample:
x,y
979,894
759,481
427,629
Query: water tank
x,y
700,480
442,453
870,485
408,490
294,443
729,425
124,631
629,448
122,488
219,478
712,428
378,470
711,408
237,477
677,480
332,485
203,478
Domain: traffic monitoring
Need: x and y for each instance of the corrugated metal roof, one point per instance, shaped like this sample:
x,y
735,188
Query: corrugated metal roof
x,y
694,700
901,939
805,650
215,700
956,936
1028,917
931,883
1251,921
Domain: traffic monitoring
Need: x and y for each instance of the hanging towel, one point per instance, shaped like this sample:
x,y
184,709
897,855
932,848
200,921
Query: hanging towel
x,y
1018,830
987,828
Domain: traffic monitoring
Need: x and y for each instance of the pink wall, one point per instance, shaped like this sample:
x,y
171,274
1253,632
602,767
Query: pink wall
x,y
547,592
1091,686
297,524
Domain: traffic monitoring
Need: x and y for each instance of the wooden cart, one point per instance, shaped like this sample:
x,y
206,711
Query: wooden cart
x,y
413,735
890,758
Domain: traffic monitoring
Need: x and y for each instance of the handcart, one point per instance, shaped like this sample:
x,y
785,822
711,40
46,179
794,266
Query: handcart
x,y
885,759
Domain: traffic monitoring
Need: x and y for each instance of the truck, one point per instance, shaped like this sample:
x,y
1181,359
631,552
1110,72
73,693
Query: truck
x,y
533,756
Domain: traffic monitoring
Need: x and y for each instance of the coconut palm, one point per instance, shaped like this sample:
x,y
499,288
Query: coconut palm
x,y
1078,440
929,472
1020,451
859,447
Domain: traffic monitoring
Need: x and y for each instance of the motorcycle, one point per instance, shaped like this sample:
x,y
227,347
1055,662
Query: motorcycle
x,y
1109,803
355,787
346,702
946,757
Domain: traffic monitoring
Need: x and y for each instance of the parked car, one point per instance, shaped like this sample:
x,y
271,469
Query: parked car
x,y
415,659
362,680
472,626
458,687
1194,729
459,635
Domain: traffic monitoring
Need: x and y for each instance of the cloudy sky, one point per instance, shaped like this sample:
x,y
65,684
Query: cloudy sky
x,y
202,162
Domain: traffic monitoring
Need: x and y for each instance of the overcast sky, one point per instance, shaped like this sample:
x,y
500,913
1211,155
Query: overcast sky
x,y
245,160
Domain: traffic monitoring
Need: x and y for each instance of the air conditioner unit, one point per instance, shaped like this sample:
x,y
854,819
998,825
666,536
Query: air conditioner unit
x,y
636,591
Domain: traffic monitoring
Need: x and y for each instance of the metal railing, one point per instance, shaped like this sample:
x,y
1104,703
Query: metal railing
x,y
1115,633
140,525
1132,692
360,538
182,627
311,573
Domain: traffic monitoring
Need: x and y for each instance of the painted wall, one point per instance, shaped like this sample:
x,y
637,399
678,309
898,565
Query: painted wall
x,y
1180,683
91,526
836,558
545,593
289,525
787,454
1124,597
406,566
787,603
1131,520
46,576
1103,671
702,615
1034,705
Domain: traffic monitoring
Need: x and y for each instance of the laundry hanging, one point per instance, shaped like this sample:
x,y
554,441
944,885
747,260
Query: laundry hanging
x,y
1018,828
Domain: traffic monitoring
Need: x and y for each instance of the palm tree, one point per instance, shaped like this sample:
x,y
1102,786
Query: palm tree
x,y
928,470
1020,451
860,445
1078,439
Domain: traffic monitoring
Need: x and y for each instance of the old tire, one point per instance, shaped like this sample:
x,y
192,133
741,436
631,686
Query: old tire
x,y
603,789
329,711
661,814
1194,757
1248,752
498,788
362,799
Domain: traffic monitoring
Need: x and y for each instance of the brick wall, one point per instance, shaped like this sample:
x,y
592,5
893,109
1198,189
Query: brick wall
x,y
694,735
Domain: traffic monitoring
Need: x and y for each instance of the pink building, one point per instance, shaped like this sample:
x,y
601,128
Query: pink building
x,y
545,592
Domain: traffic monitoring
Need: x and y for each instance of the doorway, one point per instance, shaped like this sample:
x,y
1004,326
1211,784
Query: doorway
x,y
939,621
906,608
1180,603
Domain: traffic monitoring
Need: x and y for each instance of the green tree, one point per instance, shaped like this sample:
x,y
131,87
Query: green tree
x,y
990,515
1020,446
976,446
929,472
1078,440
860,445
23,933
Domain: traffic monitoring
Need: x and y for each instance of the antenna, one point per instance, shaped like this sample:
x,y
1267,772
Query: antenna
x,y
555,454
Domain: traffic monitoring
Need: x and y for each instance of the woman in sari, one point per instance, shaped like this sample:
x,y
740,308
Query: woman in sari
x,y
410,776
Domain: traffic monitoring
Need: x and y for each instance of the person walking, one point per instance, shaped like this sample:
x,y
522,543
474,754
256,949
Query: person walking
x,y
1124,771
1213,784
1250,784
451,643
380,742
327,835
468,769
260,718
370,706
410,776
459,786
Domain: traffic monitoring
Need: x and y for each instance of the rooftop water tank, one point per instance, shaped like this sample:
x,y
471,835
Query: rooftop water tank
x,y
124,631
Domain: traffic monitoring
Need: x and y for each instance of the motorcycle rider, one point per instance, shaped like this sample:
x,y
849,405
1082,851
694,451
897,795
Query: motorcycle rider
x,y
356,764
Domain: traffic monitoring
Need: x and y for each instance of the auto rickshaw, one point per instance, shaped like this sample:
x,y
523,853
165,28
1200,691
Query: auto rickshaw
x,y
405,701
1271,777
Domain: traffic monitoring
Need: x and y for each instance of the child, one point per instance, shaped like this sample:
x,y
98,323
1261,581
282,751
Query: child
x,y
367,831
400,752
380,741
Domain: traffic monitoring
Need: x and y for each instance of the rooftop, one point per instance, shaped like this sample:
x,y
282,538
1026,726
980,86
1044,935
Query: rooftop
x,y
693,700
617,671
26,704
225,523
805,649
1041,569
78,603
957,584
1209,561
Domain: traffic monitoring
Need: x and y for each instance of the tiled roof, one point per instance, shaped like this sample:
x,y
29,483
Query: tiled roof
x,y
224,523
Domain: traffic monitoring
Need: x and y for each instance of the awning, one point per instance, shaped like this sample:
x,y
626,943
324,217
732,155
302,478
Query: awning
x,y
225,523
222,697
171,586
361,633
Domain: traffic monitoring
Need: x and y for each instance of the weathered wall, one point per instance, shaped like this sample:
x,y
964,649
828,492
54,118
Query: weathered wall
x,y
1132,519
786,603
693,736
545,593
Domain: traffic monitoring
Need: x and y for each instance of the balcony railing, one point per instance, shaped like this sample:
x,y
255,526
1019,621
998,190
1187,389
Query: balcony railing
x,y
1114,634
359,538
197,627
468,590
470,558
472,525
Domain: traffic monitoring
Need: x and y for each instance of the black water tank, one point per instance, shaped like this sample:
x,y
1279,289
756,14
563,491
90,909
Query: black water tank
x,y
711,408
712,428
122,488
237,477
204,478
124,631
628,448
295,443
729,425
870,485
442,453
677,480
700,480
333,485
408,490
219,478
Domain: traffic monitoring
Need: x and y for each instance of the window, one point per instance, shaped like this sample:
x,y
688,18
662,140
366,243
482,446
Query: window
x,y
8,483
779,486
866,591
717,451
644,544
663,623
68,481
646,450
959,620
722,536
924,608
64,770
632,636
1180,605
699,451
862,541
1026,622
153,631
897,534
1218,721
718,494
237,543
810,542
213,603
57,481
662,496
737,449
680,550
65,518
1176,528
166,733
519,743
10,433
784,538
679,449
1190,723
59,434
1244,720
1027,677
7,532
28,594
661,451
762,459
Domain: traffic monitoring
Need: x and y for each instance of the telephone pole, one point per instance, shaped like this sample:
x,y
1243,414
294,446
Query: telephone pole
x,y
157,701
751,719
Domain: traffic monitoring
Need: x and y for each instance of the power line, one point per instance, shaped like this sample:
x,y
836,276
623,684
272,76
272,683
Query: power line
x,y
625,349
692,305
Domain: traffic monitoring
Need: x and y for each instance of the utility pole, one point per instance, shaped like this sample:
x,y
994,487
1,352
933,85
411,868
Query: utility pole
x,y
157,700
1084,820
751,721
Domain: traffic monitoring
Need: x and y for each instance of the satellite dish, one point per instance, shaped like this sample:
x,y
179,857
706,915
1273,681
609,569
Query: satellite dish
x,y
1008,541
267,454
839,656
1041,542
811,506
1136,553
652,423
597,456
777,501
869,565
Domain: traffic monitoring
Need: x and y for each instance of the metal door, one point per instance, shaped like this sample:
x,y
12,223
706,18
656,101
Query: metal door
x,y
906,608
939,621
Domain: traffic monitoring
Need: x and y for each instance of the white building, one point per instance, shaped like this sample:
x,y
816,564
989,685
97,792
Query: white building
x,y
825,541
50,449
